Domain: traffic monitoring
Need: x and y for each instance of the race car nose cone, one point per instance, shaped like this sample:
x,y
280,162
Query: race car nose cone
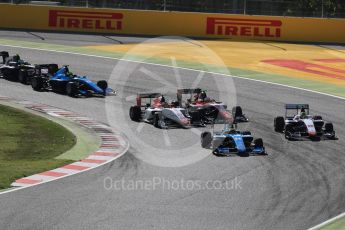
x,y
312,134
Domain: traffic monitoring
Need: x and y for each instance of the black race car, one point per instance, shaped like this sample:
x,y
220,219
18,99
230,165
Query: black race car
x,y
13,67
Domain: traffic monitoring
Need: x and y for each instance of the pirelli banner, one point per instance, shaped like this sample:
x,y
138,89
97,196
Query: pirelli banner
x,y
137,22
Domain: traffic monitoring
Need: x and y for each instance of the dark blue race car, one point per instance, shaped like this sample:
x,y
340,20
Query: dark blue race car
x,y
230,141
63,81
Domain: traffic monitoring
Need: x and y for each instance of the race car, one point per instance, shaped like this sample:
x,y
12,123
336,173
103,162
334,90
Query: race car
x,y
229,141
63,81
47,70
12,67
153,109
298,124
205,110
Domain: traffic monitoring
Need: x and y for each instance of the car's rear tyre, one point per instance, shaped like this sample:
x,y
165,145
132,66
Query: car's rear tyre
x,y
71,89
4,55
10,75
135,113
279,124
259,142
23,76
206,139
317,117
4,75
37,83
237,111
329,127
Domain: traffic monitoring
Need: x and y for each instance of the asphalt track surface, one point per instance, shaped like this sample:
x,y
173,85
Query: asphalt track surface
x,y
298,185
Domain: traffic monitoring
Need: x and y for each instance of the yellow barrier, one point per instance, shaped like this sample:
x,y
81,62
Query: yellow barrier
x,y
137,22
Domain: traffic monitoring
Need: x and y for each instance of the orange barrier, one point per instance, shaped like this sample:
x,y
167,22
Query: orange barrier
x,y
139,22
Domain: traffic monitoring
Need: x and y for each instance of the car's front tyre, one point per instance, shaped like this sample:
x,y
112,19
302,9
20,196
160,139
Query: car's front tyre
x,y
23,76
37,83
135,113
279,124
72,89
206,139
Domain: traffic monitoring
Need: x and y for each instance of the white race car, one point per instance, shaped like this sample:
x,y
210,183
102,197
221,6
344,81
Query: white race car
x,y
298,124
157,112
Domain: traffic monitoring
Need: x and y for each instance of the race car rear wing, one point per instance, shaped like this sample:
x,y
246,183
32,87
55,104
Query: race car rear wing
x,y
146,95
180,92
51,68
149,95
297,108
4,55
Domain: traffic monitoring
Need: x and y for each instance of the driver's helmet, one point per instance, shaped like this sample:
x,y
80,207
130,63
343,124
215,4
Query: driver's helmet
x,y
174,104
157,102
303,113
162,99
16,58
203,95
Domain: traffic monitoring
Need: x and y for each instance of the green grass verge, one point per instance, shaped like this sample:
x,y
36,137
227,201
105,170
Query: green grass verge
x,y
274,78
29,144
335,225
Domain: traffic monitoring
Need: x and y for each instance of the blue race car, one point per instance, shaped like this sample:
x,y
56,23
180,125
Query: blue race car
x,y
63,81
229,141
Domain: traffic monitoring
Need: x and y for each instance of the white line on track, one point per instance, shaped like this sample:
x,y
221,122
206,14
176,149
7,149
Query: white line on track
x,y
168,66
327,222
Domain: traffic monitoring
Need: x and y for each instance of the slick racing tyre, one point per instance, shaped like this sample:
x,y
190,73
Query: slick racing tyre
x,y
103,85
23,76
259,142
237,111
317,117
135,113
206,139
71,89
37,83
279,124
329,127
